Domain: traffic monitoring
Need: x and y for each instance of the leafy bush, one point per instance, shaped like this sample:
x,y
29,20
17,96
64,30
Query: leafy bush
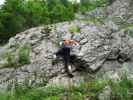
x,y
18,58
19,15
74,29
129,30
88,5
11,60
24,54
98,19
121,90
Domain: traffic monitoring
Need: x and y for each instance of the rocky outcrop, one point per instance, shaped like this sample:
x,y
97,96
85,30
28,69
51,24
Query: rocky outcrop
x,y
99,49
122,9
103,48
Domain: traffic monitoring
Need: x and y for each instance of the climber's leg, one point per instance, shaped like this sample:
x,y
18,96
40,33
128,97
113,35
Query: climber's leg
x,y
59,52
66,58
56,56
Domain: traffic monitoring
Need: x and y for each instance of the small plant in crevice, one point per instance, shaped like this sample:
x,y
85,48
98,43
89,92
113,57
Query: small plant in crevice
x,y
74,29
47,29
11,60
16,57
24,54
129,30
98,19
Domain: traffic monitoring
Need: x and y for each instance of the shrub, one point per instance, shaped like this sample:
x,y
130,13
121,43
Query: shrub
x,y
11,60
129,30
16,59
121,90
24,54
88,5
19,15
98,19
74,29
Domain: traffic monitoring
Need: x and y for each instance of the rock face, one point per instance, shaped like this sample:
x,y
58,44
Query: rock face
x,y
99,47
122,9
103,48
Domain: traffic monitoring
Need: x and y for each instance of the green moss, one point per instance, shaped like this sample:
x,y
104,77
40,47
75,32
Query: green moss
x,y
11,60
99,19
74,29
127,28
24,54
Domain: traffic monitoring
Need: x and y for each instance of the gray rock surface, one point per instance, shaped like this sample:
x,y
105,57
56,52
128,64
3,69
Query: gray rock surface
x,y
103,48
98,45
106,94
122,9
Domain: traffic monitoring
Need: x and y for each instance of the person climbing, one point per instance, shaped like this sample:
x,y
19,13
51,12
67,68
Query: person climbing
x,y
64,52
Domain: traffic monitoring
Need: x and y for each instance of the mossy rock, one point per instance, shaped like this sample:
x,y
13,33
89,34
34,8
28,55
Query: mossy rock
x,y
74,29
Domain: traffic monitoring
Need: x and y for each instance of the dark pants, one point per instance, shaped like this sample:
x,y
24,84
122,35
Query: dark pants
x,y
64,52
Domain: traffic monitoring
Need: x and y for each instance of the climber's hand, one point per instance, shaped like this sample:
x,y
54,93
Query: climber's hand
x,y
77,44
74,42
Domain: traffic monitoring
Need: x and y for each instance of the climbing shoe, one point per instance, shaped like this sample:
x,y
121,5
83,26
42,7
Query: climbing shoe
x,y
54,56
70,68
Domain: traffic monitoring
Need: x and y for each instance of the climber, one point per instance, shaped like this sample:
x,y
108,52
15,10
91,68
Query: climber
x,y
64,52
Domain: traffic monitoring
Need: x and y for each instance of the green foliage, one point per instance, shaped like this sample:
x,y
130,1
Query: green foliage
x,y
19,15
24,54
10,18
59,12
128,29
88,5
74,29
98,19
11,60
130,32
18,58
121,90
35,13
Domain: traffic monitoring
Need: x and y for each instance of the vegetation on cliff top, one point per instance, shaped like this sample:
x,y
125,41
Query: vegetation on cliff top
x,y
19,15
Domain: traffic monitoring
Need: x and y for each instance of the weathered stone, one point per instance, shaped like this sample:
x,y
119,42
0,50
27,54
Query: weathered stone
x,y
121,8
97,45
102,46
106,94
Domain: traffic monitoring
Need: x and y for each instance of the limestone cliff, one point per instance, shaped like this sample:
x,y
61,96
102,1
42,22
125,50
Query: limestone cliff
x,y
104,48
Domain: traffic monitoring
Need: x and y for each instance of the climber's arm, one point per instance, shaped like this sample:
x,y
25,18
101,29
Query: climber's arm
x,y
74,42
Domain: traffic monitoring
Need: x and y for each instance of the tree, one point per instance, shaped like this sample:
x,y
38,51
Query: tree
x,y
19,15
10,18
35,13
65,2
